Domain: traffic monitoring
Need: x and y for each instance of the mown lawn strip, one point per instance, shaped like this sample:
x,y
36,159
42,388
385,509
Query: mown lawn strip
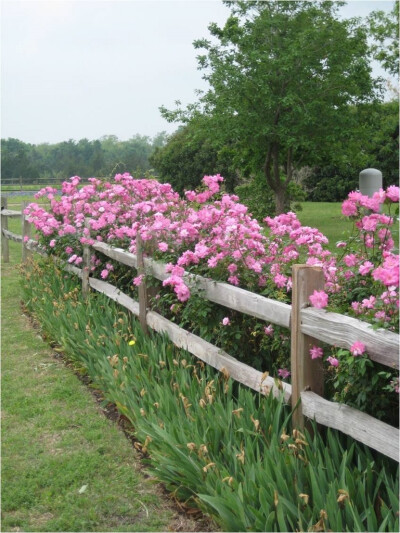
x,y
65,467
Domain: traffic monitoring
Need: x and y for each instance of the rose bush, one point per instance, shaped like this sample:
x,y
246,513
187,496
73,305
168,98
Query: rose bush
x,y
211,233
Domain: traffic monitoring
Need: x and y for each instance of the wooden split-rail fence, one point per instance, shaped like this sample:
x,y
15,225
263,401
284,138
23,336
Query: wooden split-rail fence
x,y
306,324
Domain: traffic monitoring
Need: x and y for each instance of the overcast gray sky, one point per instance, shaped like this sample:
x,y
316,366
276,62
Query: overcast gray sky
x,y
87,68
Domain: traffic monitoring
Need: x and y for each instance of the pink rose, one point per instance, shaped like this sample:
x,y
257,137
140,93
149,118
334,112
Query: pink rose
x,y
333,361
163,246
365,268
269,330
392,193
283,373
316,352
358,348
138,280
319,299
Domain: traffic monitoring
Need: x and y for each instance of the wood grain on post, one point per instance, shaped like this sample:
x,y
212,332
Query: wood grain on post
x,y
86,265
143,296
26,233
4,225
152,291
307,373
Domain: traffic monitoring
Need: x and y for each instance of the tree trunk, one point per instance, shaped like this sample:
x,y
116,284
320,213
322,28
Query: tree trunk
x,y
282,203
273,178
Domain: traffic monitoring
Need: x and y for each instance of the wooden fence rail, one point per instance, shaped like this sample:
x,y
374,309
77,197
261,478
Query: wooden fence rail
x,y
332,328
306,325
217,292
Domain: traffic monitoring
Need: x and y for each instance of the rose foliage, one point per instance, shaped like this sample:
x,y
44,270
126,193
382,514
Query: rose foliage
x,y
211,233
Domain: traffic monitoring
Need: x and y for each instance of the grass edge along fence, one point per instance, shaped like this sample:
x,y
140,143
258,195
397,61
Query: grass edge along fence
x,y
306,324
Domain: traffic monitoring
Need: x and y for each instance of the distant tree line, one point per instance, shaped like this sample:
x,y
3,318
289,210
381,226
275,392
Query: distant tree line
x,y
30,163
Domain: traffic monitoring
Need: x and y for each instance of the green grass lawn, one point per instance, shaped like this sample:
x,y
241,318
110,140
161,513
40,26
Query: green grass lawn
x,y
65,466
328,218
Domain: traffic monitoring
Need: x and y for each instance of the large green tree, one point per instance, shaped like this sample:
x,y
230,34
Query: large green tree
x,y
375,144
282,76
384,29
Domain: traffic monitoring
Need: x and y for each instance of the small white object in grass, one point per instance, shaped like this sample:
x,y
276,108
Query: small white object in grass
x,y
82,489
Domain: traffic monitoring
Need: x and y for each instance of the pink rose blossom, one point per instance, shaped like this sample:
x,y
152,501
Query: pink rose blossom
x,y
358,348
349,208
380,196
350,260
316,352
369,223
283,373
388,273
138,280
182,292
348,274
237,254
365,268
269,330
190,195
369,303
201,250
163,246
226,321
212,262
392,193
232,268
333,361
319,299
280,280
104,273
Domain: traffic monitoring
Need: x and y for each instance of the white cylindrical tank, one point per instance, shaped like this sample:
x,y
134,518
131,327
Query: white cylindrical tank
x,y
370,181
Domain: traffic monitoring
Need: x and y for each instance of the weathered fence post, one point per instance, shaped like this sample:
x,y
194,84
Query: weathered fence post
x,y
4,225
26,233
86,264
307,373
143,296
151,290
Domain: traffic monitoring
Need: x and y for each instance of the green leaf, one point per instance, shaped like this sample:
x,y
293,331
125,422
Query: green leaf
x,y
230,521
